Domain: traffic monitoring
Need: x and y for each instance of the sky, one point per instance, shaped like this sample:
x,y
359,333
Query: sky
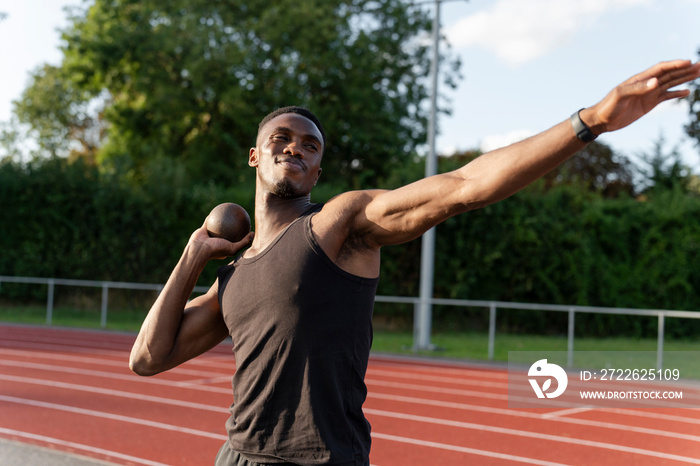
x,y
526,64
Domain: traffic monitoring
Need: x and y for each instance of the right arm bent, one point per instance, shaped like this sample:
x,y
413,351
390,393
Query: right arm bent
x,y
176,330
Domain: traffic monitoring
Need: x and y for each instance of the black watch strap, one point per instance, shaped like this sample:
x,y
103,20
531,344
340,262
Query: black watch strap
x,y
582,131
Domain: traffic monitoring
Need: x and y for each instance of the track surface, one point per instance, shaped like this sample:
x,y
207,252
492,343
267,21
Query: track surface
x,y
71,390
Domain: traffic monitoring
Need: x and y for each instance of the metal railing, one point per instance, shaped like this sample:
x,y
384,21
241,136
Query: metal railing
x,y
493,306
660,314
105,285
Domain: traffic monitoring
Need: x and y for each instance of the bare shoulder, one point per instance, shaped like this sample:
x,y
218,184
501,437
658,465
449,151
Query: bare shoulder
x,y
345,213
340,230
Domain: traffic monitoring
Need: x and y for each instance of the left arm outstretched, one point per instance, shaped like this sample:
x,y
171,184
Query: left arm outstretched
x,y
393,217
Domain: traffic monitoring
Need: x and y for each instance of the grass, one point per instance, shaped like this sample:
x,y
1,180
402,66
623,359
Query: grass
x,y
465,345
120,320
625,353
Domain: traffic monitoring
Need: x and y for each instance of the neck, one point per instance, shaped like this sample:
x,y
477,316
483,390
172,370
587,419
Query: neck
x,y
273,214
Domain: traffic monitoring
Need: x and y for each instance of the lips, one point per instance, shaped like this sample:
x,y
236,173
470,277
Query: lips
x,y
292,161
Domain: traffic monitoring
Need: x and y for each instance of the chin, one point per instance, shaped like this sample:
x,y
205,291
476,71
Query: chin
x,y
287,190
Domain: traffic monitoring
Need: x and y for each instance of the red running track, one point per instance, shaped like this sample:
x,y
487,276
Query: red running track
x,y
71,390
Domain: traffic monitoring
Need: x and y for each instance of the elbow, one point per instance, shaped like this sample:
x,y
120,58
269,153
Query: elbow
x,y
141,366
478,193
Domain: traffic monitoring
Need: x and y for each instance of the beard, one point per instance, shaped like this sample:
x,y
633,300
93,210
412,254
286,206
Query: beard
x,y
285,190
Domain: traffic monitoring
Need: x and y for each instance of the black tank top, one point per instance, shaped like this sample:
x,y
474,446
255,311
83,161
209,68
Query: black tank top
x,y
301,330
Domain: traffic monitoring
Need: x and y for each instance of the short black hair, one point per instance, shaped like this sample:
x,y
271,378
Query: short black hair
x,y
305,112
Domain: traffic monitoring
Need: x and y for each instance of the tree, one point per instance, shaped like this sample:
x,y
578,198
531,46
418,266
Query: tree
x,y
11,139
597,168
188,81
60,115
664,171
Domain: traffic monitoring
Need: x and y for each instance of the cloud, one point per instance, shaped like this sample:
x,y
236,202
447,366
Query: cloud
x,y
518,31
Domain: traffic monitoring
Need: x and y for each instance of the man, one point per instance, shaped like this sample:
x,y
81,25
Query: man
x,y
298,302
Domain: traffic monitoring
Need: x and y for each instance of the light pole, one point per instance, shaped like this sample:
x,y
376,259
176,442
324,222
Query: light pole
x,y
424,315
427,263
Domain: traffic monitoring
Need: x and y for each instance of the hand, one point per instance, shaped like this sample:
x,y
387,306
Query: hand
x,y
218,248
639,95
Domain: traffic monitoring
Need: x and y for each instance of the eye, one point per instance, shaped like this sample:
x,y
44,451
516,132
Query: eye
x,y
311,146
279,137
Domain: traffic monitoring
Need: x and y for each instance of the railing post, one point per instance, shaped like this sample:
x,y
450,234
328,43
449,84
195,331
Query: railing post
x,y
49,303
105,297
660,343
416,325
570,340
492,330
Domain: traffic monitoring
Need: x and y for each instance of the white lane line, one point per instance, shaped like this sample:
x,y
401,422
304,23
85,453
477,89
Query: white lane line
x,y
566,412
113,375
207,360
654,415
117,393
530,415
47,348
78,446
112,417
538,436
433,389
102,362
433,367
209,380
473,451
453,380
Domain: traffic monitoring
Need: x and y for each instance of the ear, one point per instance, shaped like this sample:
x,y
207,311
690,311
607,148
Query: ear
x,y
318,175
253,157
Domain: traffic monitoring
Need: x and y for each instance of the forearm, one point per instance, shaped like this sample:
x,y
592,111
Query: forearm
x,y
158,334
496,175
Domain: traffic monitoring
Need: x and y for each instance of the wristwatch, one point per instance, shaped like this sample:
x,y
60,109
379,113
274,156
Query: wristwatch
x,y
582,131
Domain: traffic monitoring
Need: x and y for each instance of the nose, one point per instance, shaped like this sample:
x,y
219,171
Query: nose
x,y
294,149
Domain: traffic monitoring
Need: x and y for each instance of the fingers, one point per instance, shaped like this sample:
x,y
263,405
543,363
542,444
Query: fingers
x,y
668,73
226,248
672,74
677,77
675,94
658,81
246,241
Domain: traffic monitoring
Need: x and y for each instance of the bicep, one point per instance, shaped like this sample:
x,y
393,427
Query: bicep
x,y
403,214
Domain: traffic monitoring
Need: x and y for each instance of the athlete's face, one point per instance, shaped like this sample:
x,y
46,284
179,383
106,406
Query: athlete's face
x,y
288,155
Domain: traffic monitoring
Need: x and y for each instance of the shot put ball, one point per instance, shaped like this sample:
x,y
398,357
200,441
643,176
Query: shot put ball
x,y
228,221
